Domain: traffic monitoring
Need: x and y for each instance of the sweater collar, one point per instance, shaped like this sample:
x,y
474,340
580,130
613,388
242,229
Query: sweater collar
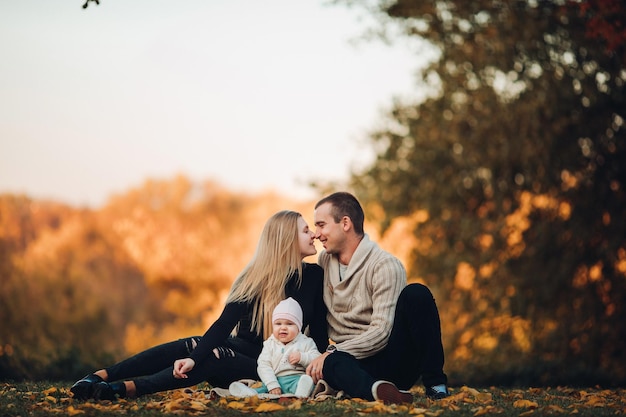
x,y
360,256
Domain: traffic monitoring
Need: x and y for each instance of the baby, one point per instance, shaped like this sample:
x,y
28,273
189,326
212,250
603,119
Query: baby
x,y
285,356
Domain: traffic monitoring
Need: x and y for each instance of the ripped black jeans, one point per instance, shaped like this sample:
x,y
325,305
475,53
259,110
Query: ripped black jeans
x,y
152,370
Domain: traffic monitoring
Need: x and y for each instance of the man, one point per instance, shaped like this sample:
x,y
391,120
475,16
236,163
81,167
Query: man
x,y
387,333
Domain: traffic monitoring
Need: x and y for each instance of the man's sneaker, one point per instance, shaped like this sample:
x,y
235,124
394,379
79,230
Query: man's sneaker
x,y
437,392
239,389
83,388
305,387
390,394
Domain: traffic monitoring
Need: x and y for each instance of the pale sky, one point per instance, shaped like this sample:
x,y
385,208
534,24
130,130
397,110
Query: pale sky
x,y
256,95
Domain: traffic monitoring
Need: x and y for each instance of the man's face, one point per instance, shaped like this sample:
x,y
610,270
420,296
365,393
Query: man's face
x,y
328,232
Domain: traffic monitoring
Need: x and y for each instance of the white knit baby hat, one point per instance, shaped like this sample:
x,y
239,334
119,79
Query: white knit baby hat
x,y
288,309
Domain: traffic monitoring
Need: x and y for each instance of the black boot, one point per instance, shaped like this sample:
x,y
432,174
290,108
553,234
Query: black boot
x,y
83,388
105,391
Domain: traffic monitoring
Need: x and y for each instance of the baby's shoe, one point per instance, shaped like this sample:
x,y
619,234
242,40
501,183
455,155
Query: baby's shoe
x,y
239,389
305,387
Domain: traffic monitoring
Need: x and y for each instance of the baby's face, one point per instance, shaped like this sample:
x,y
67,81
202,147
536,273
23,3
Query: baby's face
x,y
285,330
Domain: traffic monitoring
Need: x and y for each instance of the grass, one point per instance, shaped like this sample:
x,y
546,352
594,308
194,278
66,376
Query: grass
x,y
44,398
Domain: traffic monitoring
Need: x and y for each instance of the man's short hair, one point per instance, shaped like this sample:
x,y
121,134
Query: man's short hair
x,y
345,204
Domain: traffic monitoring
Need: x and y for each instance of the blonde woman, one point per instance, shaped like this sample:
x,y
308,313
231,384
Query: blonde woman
x,y
276,271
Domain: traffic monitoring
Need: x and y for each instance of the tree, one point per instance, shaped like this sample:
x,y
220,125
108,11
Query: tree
x,y
81,288
512,174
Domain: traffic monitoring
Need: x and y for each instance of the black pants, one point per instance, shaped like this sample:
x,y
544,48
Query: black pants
x,y
414,350
152,370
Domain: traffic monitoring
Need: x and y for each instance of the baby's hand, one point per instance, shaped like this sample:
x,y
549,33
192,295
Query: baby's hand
x,y
294,358
276,391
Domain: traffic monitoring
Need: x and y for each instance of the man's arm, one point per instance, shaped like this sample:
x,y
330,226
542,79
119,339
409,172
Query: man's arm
x,y
385,285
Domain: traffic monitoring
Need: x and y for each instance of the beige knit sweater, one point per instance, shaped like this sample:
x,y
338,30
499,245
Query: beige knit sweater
x,y
361,307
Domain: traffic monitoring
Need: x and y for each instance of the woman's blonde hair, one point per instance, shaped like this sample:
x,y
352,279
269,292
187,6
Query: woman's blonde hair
x,y
277,258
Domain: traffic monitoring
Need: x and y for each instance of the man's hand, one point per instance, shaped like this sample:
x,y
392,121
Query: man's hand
x,y
182,366
314,370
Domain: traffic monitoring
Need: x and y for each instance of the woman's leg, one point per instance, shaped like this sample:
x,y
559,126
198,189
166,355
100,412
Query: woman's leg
x,y
152,360
218,372
152,370
147,362
129,386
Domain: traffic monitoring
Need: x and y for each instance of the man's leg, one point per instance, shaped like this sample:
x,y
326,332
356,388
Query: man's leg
x,y
415,348
344,372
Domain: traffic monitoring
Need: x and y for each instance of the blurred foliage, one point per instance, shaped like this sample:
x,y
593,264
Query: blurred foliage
x,y
80,288
510,176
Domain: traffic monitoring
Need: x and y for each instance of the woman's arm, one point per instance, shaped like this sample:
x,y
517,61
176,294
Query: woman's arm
x,y
219,331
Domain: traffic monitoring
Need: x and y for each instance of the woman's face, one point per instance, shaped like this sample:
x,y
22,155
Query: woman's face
x,y
306,239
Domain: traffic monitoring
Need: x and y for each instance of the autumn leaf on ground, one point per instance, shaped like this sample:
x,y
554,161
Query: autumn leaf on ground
x,y
268,406
525,404
236,405
465,401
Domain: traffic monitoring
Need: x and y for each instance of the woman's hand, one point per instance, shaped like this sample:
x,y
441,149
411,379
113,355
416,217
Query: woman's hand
x,y
276,391
182,366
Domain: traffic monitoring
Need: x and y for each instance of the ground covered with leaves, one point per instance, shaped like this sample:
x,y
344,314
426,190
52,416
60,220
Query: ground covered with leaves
x,y
45,398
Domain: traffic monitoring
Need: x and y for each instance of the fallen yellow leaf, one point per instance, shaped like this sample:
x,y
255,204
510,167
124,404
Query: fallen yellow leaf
x,y
236,405
595,401
176,405
556,408
472,391
295,405
73,411
481,411
198,406
525,404
484,397
265,407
